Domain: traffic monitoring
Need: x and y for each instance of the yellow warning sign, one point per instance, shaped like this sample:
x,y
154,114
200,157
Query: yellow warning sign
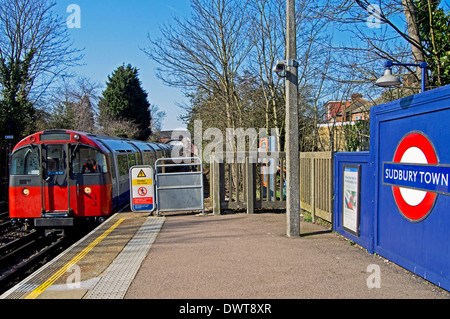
x,y
141,174
142,189
147,181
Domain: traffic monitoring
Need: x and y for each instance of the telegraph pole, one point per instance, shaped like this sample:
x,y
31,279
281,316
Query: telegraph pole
x,y
292,149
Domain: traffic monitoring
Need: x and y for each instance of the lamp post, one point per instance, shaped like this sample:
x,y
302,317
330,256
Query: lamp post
x,y
292,148
289,69
388,79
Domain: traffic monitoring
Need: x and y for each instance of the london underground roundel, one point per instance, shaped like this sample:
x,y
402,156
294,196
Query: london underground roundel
x,y
415,167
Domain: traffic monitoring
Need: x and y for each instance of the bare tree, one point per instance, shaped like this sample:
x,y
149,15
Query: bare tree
x,y
119,128
268,34
157,117
31,26
205,52
412,37
381,30
74,106
84,98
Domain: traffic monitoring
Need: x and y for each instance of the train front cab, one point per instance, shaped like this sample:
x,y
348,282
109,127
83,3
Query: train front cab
x,y
50,183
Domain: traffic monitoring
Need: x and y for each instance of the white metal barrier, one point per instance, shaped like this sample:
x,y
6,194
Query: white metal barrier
x,y
179,184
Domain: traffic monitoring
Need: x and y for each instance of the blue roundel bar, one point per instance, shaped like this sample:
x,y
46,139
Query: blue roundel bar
x,y
431,178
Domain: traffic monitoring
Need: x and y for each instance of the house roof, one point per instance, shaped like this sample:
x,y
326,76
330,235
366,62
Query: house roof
x,y
355,105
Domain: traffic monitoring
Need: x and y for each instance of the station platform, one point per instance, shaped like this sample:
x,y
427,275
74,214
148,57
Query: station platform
x,y
230,256
101,265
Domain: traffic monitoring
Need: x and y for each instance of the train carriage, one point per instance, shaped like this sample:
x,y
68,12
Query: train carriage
x,y
60,176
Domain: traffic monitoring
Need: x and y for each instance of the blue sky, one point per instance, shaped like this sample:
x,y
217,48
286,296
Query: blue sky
x,y
111,33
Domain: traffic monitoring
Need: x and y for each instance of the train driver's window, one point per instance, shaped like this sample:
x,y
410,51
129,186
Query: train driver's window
x,y
87,160
25,161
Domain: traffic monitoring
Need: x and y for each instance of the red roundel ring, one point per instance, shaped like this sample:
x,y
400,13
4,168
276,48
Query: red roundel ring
x,y
420,211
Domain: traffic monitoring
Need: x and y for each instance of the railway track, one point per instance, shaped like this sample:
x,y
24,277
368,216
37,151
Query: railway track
x,y
4,218
22,252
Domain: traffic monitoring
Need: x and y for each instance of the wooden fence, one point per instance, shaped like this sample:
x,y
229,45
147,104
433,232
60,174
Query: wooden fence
x,y
256,181
316,184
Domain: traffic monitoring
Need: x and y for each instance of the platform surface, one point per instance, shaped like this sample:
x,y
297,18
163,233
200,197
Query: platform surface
x,y
101,265
241,256
232,256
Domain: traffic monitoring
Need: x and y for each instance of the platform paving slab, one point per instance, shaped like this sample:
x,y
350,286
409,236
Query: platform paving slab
x,y
239,256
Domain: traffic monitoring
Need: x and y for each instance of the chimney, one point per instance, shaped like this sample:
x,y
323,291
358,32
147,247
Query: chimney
x,y
356,96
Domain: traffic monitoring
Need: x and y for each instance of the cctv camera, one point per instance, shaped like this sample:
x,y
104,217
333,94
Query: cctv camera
x,y
279,68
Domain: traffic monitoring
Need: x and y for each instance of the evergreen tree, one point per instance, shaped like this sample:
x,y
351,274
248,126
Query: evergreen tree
x,y
124,99
16,111
434,28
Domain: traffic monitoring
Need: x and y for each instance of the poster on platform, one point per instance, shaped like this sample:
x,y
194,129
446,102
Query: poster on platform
x,y
351,198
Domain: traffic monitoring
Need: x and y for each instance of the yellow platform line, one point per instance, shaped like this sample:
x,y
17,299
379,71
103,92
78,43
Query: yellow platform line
x,y
35,293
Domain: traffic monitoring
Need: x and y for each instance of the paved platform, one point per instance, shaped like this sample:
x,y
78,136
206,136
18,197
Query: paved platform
x,y
232,256
240,256
101,265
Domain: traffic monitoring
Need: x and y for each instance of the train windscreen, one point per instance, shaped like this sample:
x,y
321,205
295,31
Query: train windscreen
x,y
25,161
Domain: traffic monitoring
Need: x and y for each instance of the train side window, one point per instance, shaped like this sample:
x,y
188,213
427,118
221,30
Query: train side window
x,y
148,158
131,160
88,160
25,161
152,158
123,164
102,167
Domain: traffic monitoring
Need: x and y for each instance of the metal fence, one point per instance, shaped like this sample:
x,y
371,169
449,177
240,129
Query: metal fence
x,y
179,184
249,181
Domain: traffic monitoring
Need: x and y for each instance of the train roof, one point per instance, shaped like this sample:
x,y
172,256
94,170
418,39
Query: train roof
x,y
115,144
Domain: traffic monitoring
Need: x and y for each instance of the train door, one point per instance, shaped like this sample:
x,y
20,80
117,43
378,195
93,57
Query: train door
x,y
114,173
123,181
55,195
114,182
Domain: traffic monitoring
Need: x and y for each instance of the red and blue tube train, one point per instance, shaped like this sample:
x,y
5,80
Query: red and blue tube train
x,y
58,177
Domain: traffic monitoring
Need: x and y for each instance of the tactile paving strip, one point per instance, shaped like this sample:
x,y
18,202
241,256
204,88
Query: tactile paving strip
x,y
118,276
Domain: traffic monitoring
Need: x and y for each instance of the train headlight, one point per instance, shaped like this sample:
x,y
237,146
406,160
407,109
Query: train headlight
x,y
87,190
26,191
76,137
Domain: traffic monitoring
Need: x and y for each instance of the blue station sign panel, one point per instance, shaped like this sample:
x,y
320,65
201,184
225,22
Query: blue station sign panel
x,y
431,178
410,152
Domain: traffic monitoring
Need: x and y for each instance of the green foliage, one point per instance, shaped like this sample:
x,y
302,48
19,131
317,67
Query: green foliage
x,y
63,117
17,113
356,135
434,32
124,99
